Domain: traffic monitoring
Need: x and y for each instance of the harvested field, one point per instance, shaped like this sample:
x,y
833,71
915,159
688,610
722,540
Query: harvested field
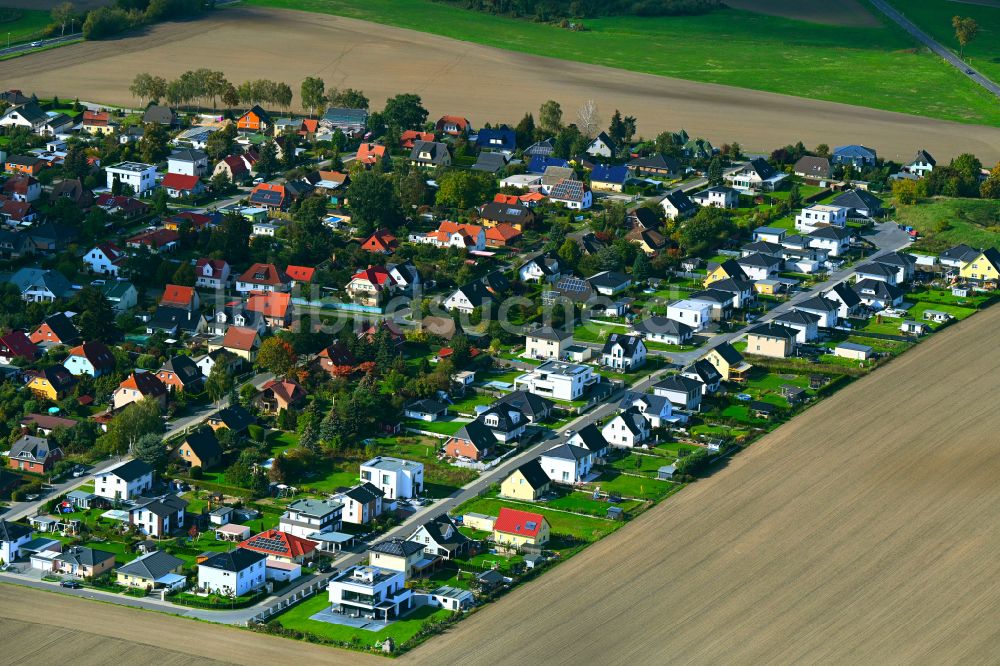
x,y
846,12
868,539
248,43
46,628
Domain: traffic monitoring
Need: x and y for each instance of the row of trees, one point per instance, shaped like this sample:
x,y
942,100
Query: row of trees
x,y
206,85
107,21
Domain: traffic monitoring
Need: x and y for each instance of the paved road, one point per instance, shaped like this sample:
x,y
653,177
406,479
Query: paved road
x,y
26,47
936,46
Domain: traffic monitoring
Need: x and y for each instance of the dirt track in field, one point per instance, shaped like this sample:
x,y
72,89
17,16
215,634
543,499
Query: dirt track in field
x,y
47,628
484,84
862,532
849,13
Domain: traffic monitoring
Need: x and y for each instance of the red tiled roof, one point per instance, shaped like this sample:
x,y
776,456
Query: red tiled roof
x,y
97,353
270,304
509,199
459,122
288,390
177,295
369,153
375,275
111,251
502,231
197,220
513,521
300,273
310,125
16,210
146,383
19,184
236,164
278,543
380,241
264,274
19,344
239,338
410,137
176,181
216,264
156,238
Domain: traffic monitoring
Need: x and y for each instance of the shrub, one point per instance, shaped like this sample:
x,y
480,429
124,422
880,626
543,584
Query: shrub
x,y
197,473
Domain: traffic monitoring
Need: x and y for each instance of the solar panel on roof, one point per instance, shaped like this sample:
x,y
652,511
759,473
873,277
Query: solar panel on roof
x,y
573,284
531,524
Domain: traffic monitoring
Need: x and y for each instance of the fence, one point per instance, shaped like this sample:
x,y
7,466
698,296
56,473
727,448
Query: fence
x,y
288,602
482,467
336,305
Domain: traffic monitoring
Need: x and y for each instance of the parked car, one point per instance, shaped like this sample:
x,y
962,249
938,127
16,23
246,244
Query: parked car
x,y
71,584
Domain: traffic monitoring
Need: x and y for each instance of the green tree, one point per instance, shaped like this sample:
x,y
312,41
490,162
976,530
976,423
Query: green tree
x,y
569,253
313,93
715,171
708,229
184,275
550,117
405,110
150,449
464,189
96,318
138,419
267,163
641,268
348,98
277,356
616,130
966,30
153,146
220,144
372,201
219,382
525,131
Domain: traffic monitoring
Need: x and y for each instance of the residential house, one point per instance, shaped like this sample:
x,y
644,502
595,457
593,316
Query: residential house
x,y
656,409
12,537
157,516
140,177
371,154
921,164
695,314
362,504
275,307
627,429
408,138
477,294
877,271
728,269
335,356
181,373
490,162
720,302
529,482
623,352
309,517
138,386
602,146
741,291
729,363
878,294
56,329
860,204
281,547
351,122
657,165
566,463
263,278
834,240
903,264
516,214
822,307
430,154
255,120
187,162
233,574
381,242
371,286
159,115
958,256
663,330
125,481
177,296
845,297
609,283
33,454
983,269
236,168
28,115
515,529
406,557
813,169
234,418
22,188
152,571
83,562
38,285
572,194
371,592
814,217
17,213
534,407
155,240
452,125
74,190
50,237
706,373
756,176
211,273
178,186
175,321
395,477
805,323
498,139
590,437
771,340
16,344
46,424
449,234
609,177
127,207
855,155
759,266
279,394
15,245
506,422
677,205
474,441
405,275
91,358
537,164
719,196
853,351
269,196
558,380
440,537
51,383
200,448
547,342
682,392
650,241
24,164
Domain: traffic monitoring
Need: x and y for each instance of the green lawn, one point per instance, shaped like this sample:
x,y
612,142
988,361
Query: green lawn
x,y
934,17
613,481
918,309
944,222
841,64
577,527
297,618
439,427
944,297
24,25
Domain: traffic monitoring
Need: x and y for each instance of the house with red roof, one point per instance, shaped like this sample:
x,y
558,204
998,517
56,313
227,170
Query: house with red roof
x,y
235,167
137,386
308,129
254,120
371,154
157,240
198,220
515,529
241,342
334,357
178,185
276,307
281,546
279,394
98,123
211,273
16,344
381,242
105,259
17,212
22,188
127,207
56,329
176,296
371,285
502,235
300,274
267,195
91,358
451,234
409,138
264,278
453,125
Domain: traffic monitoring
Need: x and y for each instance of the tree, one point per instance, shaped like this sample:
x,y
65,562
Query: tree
x,y
525,131
348,98
184,275
616,130
966,30
313,93
411,189
96,315
309,439
267,163
706,230
150,449
404,111
277,356
138,419
75,163
61,14
715,171
990,189
569,253
219,144
219,382
795,196
550,117
153,144
373,201
907,192
641,268
464,189
141,85
588,118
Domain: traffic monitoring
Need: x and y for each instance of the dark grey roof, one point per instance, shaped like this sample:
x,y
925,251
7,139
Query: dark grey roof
x,y
234,561
817,167
82,556
592,437
131,470
817,303
896,259
773,330
438,526
364,493
634,420
438,151
712,295
533,406
763,247
426,406
162,115
657,161
679,383
509,417
608,279
729,353
12,531
655,403
733,285
550,333
167,318
732,268
204,444
705,371
797,317
961,252
490,162
681,201
547,262
761,167
878,288
164,506
847,295
629,343
662,326
858,199
831,233
875,269
396,547
923,156
566,451
32,448
185,368
187,155
152,565
534,474
235,417
759,260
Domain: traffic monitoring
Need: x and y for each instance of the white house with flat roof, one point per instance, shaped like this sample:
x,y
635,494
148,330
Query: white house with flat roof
x,y
555,379
305,517
820,215
137,175
696,314
395,477
370,591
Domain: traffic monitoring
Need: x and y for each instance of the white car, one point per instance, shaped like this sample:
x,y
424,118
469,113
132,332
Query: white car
x,y
35,45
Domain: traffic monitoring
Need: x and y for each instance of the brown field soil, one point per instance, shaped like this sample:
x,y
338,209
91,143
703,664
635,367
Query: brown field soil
x,y
482,83
39,627
849,13
862,532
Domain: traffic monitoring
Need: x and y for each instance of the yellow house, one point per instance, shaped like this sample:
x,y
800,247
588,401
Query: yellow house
x,y
528,482
984,268
52,383
771,340
729,363
515,529
397,555
727,269
151,571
